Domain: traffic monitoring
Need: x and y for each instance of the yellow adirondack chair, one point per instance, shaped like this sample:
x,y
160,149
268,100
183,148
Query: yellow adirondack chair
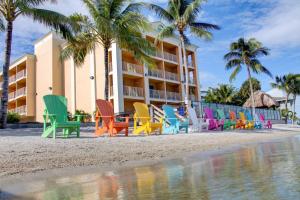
x,y
142,115
249,124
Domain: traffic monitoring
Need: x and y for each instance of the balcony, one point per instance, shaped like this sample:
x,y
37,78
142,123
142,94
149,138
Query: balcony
x,y
21,74
21,92
109,67
171,76
190,65
170,57
132,68
12,79
158,54
173,96
11,96
157,94
156,73
192,81
192,97
133,91
22,110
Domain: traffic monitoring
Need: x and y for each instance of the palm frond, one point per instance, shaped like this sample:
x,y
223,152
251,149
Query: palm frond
x,y
165,31
190,10
201,33
2,27
160,11
234,73
233,63
205,26
262,51
233,55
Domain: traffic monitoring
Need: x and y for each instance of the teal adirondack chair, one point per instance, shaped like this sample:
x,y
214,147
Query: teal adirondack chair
x,y
228,124
171,123
257,123
56,117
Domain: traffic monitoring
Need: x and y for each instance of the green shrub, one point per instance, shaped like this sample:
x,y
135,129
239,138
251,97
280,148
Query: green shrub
x,y
86,117
13,117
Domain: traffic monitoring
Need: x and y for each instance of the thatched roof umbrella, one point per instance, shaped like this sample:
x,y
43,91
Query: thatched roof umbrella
x,y
261,100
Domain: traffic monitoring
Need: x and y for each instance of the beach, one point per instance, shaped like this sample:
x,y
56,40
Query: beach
x,y
24,152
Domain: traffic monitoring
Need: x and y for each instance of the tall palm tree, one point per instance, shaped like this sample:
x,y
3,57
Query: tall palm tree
x,y
181,16
290,84
10,10
224,94
110,21
295,90
246,52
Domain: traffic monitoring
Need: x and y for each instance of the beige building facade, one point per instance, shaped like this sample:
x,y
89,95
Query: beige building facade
x,y
33,76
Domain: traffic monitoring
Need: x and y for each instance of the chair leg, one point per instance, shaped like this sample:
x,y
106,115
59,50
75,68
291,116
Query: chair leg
x,y
78,132
54,133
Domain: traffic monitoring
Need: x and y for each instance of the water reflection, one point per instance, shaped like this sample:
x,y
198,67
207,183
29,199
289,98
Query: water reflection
x,y
265,171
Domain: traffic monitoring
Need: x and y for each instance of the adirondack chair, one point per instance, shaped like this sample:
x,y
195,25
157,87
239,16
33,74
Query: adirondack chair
x,y
105,112
266,124
213,124
172,124
56,117
239,123
257,123
228,124
197,124
142,116
248,124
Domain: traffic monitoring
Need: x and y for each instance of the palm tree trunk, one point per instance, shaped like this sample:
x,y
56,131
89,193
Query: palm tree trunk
x,y
106,72
252,93
4,98
294,108
286,107
186,70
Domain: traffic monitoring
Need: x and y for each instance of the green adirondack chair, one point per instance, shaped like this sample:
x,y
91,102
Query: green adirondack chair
x,y
228,124
56,117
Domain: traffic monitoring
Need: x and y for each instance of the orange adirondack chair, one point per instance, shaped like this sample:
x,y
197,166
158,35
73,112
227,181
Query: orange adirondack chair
x,y
239,123
105,111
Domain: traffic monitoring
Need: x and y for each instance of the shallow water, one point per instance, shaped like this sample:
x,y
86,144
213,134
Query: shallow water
x,y
260,171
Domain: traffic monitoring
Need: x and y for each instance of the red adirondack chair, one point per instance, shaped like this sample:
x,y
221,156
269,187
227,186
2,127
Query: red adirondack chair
x,y
105,112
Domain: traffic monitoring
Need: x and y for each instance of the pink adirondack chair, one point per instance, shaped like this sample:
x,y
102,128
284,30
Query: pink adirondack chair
x,y
266,124
213,124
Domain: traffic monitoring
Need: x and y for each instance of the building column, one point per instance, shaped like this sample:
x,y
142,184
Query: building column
x,y
181,72
73,86
197,76
118,96
93,81
146,85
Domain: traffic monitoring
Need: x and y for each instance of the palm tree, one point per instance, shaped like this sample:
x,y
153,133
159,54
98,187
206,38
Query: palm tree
x,y
290,84
224,94
10,10
295,90
181,16
246,52
110,21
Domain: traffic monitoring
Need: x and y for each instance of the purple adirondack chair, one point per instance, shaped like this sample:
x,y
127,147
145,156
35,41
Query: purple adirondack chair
x,y
213,124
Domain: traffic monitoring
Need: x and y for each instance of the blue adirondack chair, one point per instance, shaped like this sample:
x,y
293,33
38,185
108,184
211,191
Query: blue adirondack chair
x,y
257,123
172,124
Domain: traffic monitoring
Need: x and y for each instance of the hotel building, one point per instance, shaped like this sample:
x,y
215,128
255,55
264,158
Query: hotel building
x,y
33,76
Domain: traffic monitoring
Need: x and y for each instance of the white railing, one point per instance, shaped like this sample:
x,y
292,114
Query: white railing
x,y
171,76
133,91
156,73
130,67
192,97
21,74
11,95
21,92
12,110
12,79
191,81
158,54
171,57
190,64
22,110
157,94
175,96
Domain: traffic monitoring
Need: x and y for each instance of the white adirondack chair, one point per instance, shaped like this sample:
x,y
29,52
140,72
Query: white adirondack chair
x,y
198,124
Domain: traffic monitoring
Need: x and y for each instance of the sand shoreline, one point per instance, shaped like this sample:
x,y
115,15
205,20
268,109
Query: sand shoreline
x,y
27,153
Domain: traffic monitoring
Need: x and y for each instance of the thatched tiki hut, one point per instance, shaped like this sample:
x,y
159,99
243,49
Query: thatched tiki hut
x,y
261,100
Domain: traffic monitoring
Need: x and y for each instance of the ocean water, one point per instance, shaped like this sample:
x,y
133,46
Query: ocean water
x,y
259,171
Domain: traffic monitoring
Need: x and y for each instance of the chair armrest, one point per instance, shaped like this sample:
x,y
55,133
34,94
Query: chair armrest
x,y
47,116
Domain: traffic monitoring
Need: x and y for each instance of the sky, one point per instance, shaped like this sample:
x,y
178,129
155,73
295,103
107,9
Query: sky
x,y
273,22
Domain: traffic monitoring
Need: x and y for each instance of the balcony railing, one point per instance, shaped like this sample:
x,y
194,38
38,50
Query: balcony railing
x,y
11,95
22,110
21,74
12,79
171,76
133,91
156,73
192,97
130,67
174,96
190,64
171,57
192,81
157,94
158,54
109,67
21,92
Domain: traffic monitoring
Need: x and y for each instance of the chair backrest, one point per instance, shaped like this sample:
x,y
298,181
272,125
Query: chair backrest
x,y
56,105
105,109
221,114
262,117
249,116
142,112
170,114
232,115
242,116
208,113
193,116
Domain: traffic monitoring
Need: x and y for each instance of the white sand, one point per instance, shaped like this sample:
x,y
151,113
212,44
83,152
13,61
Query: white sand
x,y
23,151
